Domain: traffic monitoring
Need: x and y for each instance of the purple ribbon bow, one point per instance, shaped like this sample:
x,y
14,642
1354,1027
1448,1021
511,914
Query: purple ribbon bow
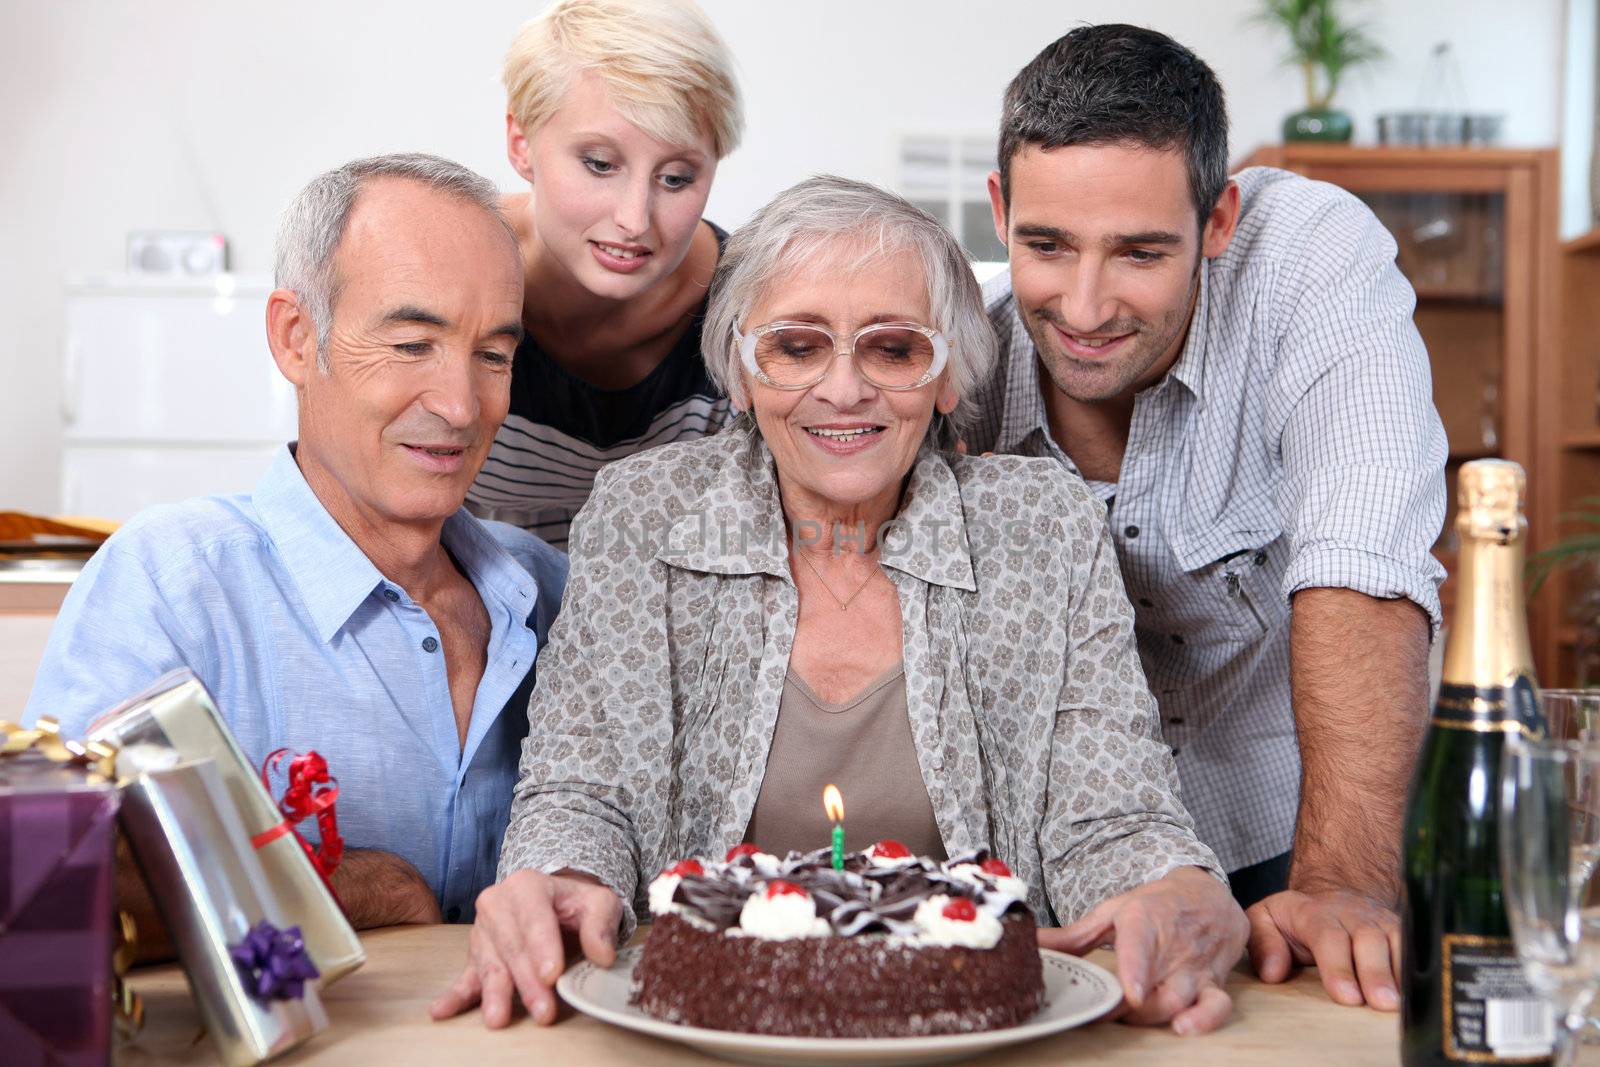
x,y
273,962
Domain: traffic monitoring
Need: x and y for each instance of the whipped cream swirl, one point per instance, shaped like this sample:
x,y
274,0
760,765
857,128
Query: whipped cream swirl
x,y
756,894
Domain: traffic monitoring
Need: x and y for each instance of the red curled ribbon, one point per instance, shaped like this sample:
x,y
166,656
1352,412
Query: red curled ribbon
x,y
311,793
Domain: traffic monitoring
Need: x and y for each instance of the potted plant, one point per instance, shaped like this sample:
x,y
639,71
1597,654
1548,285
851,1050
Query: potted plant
x,y
1324,47
1579,550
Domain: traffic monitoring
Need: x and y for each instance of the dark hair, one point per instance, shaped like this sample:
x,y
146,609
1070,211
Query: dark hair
x,y
1116,84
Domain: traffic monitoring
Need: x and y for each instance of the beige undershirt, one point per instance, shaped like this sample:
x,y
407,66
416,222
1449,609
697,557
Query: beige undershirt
x,y
864,746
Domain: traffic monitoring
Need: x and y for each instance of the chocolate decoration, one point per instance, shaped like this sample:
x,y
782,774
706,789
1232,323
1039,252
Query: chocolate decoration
x,y
860,899
717,901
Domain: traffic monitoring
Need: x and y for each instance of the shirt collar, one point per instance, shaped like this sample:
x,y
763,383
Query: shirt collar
x,y
491,569
737,527
334,577
1022,407
1190,366
929,540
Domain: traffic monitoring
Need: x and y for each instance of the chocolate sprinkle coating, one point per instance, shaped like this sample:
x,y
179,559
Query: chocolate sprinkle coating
x,y
872,986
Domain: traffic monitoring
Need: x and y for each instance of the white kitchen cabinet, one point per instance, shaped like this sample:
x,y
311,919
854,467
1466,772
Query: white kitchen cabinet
x,y
169,391
115,481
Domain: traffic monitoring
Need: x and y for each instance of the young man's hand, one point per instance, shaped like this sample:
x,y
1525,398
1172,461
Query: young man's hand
x,y
1353,941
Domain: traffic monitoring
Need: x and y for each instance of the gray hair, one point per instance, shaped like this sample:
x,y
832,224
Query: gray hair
x,y
825,215
314,223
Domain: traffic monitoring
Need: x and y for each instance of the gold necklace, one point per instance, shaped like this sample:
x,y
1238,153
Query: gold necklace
x,y
843,604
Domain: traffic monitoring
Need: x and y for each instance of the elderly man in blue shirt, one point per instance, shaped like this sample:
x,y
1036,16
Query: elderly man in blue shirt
x,y
350,604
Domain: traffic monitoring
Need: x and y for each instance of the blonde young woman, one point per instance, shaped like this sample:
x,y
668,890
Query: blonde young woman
x,y
618,112
818,594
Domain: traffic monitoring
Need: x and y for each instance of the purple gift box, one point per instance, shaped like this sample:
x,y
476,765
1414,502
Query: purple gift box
x,y
57,846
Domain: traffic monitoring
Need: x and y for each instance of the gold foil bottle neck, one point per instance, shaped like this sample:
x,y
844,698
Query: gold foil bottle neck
x,y
1489,498
1488,644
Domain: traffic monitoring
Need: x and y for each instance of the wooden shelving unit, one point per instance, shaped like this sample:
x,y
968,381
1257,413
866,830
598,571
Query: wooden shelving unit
x,y
1572,457
1476,230
1586,243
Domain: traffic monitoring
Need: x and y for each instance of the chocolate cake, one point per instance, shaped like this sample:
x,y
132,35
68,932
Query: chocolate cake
x,y
893,945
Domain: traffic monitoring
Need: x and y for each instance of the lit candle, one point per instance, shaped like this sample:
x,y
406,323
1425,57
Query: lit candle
x,y
833,804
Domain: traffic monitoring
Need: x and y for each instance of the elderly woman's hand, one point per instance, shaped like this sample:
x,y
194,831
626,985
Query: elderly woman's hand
x,y
1176,939
517,943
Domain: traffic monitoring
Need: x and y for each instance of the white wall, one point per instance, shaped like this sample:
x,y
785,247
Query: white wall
x,y
1578,98
121,114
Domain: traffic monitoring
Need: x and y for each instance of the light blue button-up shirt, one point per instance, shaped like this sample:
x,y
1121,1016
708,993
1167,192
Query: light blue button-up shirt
x,y
305,645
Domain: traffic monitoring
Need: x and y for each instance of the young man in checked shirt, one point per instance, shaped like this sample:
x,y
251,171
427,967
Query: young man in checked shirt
x,y
1232,367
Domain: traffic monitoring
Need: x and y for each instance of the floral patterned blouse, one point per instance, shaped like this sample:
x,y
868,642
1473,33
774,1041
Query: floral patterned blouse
x,y
657,695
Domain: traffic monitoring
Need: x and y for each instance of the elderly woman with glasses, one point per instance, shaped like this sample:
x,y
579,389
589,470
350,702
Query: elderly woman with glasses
x,y
820,594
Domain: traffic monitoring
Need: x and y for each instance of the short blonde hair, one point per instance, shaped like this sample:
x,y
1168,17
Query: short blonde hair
x,y
664,64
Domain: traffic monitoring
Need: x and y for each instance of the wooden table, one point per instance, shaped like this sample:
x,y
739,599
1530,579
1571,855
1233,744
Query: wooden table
x,y
379,1015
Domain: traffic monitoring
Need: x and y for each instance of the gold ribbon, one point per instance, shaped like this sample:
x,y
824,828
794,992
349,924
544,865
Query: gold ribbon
x,y
129,1008
99,761
45,738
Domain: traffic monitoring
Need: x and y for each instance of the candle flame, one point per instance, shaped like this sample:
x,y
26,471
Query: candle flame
x,y
833,803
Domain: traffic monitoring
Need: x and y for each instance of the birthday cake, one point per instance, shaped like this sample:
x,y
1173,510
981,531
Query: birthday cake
x,y
891,945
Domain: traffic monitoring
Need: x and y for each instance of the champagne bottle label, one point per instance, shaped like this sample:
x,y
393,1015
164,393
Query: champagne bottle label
x,y
1491,1013
1509,708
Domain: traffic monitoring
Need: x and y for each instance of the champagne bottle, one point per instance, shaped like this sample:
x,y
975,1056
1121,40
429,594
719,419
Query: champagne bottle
x,y
1464,998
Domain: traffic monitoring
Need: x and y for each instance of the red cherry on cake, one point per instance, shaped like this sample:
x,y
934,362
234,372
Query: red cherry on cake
x,y
961,910
778,887
891,850
684,867
740,850
995,867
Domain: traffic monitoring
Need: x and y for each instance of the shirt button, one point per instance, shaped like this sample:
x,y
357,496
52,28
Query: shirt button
x,y
391,594
1261,559
430,644
1132,531
454,914
1176,720
1146,602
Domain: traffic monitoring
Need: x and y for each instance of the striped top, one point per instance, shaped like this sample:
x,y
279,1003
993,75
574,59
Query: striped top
x,y
1294,444
561,430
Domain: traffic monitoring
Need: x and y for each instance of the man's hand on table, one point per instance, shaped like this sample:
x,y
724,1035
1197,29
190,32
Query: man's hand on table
x,y
517,946
379,888
1358,673
1176,939
1353,941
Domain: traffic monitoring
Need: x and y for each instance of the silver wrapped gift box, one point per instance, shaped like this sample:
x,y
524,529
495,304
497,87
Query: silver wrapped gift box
x,y
177,714
208,884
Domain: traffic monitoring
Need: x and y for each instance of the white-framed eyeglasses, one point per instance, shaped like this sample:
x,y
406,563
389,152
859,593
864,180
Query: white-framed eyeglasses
x,y
797,355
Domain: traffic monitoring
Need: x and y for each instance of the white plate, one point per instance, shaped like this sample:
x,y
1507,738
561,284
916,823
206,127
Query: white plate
x,y
1075,992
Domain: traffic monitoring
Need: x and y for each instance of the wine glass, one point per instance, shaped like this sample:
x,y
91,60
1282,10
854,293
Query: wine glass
x,y
1549,827
1571,714
1574,715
